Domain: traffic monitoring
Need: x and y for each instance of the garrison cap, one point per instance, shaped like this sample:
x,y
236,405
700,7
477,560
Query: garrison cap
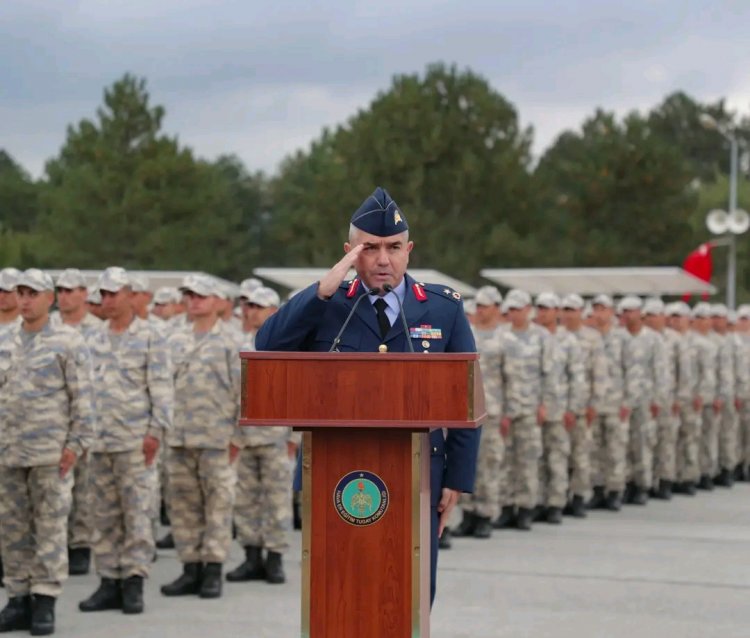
x,y
702,310
70,279
113,279
379,215
718,310
603,300
264,297
517,299
488,296
9,279
547,300
653,306
166,294
572,302
36,280
630,302
198,284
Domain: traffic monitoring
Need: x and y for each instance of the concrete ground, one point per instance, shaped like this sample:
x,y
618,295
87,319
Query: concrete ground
x,y
679,569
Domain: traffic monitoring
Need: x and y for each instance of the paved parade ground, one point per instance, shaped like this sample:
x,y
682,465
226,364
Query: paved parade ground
x,y
679,569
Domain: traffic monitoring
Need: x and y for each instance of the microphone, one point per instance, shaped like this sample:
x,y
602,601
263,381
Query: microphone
x,y
335,344
388,288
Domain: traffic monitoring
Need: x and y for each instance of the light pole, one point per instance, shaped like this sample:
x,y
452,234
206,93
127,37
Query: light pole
x,y
736,221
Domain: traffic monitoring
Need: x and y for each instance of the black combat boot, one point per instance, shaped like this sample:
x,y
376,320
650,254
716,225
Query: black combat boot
x,y
108,596
132,595
523,520
665,490
16,615
614,501
483,527
640,496
739,473
42,615
274,569
187,584
578,507
706,483
598,500
79,561
467,525
725,478
211,581
251,569
164,515
627,496
554,515
446,540
539,514
507,518
688,488
166,542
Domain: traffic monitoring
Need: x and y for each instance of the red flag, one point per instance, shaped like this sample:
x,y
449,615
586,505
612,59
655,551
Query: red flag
x,y
700,264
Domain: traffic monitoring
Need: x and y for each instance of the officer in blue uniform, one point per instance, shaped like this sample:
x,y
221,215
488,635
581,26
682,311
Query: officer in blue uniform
x,y
378,249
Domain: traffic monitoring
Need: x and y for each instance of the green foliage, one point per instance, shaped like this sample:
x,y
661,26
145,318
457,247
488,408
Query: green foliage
x,y
19,196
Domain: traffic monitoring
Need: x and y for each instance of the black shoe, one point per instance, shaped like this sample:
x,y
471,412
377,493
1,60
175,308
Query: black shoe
x,y
42,615
296,514
554,515
507,518
107,596
688,488
251,569
16,615
79,561
539,513
598,500
664,491
627,496
210,586
725,479
614,501
640,496
187,584
523,520
163,516
445,541
578,507
466,526
167,542
739,473
482,527
275,570
706,483
132,595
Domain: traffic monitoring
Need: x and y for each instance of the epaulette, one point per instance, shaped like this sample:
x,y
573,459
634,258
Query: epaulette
x,y
442,291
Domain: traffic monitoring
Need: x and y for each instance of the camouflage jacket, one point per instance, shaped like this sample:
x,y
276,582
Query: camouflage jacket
x,y
614,340
488,346
46,396
683,358
725,377
741,367
566,385
526,364
645,369
706,357
597,383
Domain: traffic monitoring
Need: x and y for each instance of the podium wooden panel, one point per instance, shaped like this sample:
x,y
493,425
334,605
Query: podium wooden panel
x,y
363,414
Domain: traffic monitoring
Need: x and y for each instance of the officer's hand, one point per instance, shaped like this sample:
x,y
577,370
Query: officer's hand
x,y
329,284
655,410
624,413
697,404
590,415
718,405
234,452
569,420
150,448
67,460
505,426
541,415
291,449
447,502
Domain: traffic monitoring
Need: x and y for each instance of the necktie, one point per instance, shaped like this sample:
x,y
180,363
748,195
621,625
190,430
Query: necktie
x,y
383,321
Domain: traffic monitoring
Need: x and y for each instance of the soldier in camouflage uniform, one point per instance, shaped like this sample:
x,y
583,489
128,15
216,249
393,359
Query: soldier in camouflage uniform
x,y
201,474
10,312
594,391
47,408
612,423
483,506
564,400
263,507
167,303
525,364
742,334
134,402
71,300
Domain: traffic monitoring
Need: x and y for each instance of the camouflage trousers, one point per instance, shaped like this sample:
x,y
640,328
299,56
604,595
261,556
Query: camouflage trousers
x,y
553,465
609,452
123,541
154,501
580,458
641,443
263,506
688,445
709,442
80,529
728,436
519,481
743,446
201,484
484,501
34,508
665,462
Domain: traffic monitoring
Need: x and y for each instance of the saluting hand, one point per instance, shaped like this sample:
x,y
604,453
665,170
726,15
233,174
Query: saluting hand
x,y
67,460
329,284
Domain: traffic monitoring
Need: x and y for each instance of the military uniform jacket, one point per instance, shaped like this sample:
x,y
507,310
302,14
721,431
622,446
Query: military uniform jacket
x,y
725,377
565,388
615,340
134,390
741,367
706,361
645,365
489,348
307,323
46,397
526,364
596,374
206,370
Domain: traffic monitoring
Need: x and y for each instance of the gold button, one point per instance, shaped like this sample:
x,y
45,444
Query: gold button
x,y
382,348
425,344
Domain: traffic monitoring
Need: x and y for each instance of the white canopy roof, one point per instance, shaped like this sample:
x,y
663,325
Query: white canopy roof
x,y
294,278
592,281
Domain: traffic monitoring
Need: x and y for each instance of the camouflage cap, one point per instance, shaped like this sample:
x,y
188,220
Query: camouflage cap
x,y
9,279
572,302
603,300
743,312
113,279
630,302
201,285
470,306
547,300
70,279
94,297
718,310
248,285
677,309
702,310
516,299
36,280
166,294
138,282
488,296
653,306
264,297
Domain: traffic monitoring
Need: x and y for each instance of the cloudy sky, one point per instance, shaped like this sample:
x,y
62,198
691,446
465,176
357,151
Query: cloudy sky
x,y
260,79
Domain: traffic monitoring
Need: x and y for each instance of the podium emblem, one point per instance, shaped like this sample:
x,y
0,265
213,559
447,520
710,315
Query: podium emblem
x,y
361,498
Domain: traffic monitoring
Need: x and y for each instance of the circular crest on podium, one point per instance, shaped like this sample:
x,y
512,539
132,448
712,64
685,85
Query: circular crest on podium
x,y
361,498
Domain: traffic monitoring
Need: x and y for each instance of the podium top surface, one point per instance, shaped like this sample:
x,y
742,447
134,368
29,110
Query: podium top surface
x,y
360,356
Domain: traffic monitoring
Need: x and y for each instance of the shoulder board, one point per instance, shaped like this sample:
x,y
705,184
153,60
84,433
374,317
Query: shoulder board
x,y
351,287
441,291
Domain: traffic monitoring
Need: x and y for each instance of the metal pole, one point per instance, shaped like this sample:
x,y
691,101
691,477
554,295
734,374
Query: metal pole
x,y
732,263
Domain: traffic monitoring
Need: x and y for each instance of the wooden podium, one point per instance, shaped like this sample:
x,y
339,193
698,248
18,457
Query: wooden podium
x,y
366,475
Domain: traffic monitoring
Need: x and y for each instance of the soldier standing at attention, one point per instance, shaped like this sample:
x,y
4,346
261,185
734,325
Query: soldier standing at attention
x,y
10,312
47,407
483,506
742,333
264,480
201,475
134,401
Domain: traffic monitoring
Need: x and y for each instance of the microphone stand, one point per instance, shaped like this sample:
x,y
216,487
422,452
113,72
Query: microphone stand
x,y
389,288
337,340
